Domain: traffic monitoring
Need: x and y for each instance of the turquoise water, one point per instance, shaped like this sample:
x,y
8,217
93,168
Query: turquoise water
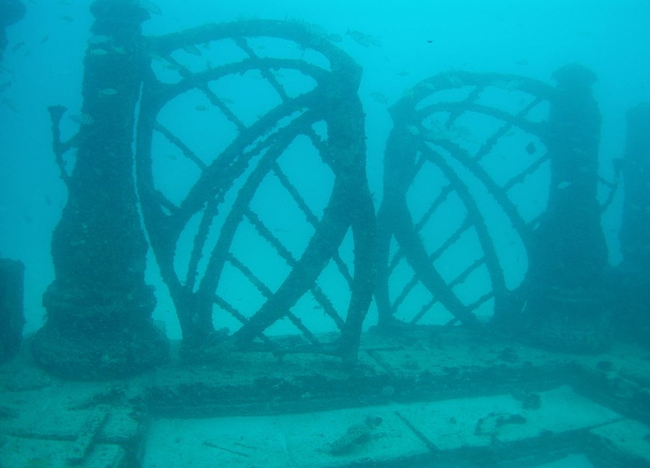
x,y
396,43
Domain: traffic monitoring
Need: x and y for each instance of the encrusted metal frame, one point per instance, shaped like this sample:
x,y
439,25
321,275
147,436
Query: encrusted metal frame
x,y
416,142
250,157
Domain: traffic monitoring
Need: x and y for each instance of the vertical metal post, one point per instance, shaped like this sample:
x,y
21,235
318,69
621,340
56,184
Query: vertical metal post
x,y
564,308
99,308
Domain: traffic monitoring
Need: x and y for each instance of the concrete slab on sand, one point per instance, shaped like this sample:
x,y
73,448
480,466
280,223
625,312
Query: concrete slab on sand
x,y
408,432
276,441
19,452
479,422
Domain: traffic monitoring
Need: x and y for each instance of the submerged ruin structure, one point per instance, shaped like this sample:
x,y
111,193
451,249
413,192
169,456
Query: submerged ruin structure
x,y
485,259
326,115
99,307
560,303
565,289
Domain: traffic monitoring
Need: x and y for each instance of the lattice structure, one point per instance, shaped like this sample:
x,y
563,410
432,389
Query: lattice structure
x,y
235,179
466,178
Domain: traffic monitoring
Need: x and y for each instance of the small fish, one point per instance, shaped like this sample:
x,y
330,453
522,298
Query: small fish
x,y
98,52
10,105
201,107
363,39
99,39
172,66
464,134
44,39
438,131
618,164
192,49
226,100
18,46
380,98
118,50
67,18
86,119
530,148
108,92
82,119
403,73
335,37
413,130
149,6
563,185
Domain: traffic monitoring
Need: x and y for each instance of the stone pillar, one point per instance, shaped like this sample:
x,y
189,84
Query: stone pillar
x,y
564,302
12,319
99,308
632,288
11,11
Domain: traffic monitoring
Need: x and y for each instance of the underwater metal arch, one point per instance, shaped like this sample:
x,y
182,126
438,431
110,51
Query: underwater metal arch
x,y
334,101
409,141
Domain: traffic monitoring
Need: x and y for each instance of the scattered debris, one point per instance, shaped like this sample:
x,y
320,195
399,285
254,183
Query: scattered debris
x,y
380,98
355,436
225,449
508,354
489,425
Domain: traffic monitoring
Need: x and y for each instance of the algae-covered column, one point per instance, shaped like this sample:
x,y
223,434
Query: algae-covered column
x,y
11,271
564,308
633,287
99,308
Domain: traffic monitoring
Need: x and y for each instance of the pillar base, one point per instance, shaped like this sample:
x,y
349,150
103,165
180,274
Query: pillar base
x,y
567,321
102,356
98,334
